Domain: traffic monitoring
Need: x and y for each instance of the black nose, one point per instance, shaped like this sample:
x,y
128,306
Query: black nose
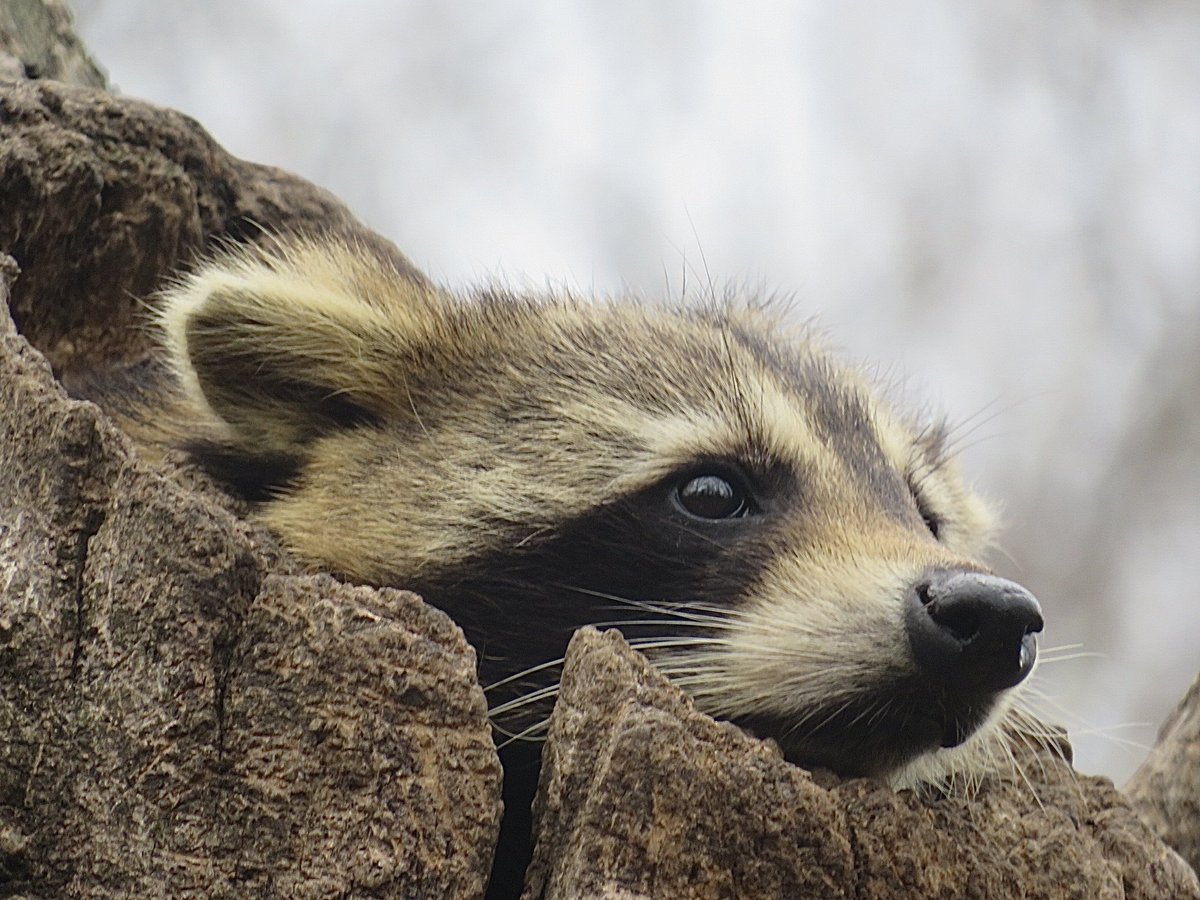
x,y
971,632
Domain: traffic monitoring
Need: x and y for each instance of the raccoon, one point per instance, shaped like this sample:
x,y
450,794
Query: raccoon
x,y
801,559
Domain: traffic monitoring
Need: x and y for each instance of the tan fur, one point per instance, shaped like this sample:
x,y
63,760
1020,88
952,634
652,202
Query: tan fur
x,y
495,419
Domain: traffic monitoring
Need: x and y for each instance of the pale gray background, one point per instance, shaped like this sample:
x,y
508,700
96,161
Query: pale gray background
x,y
1000,200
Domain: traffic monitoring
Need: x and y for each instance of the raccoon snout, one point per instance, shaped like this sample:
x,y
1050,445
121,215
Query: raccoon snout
x,y
972,633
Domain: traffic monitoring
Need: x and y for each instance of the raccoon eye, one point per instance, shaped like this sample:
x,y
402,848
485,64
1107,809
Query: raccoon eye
x,y
712,496
932,521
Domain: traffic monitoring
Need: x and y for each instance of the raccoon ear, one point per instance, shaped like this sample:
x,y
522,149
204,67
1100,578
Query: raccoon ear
x,y
288,343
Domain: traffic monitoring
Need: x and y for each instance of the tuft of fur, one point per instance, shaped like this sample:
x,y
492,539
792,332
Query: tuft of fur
x,y
518,461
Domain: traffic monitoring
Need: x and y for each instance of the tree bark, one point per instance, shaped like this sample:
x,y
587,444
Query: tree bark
x,y
182,712
1166,788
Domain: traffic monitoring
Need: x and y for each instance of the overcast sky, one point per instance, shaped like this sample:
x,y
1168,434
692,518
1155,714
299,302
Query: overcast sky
x,y
996,204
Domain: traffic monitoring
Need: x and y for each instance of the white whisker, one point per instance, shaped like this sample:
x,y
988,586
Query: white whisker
x,y
524,700
534,733
524,673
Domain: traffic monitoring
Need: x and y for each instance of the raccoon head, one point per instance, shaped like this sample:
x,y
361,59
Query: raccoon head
x,y
799,558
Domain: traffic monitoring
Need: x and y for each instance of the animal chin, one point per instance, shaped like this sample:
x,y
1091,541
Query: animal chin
x,y
874,738
952,729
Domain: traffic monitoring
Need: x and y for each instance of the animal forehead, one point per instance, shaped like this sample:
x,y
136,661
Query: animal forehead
x,y
728,378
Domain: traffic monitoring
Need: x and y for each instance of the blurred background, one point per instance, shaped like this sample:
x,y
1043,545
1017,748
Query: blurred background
x,y
995,205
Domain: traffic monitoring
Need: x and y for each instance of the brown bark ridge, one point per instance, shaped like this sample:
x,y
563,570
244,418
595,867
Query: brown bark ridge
x,y
104,196
641,796
1166,788
183,714
180,711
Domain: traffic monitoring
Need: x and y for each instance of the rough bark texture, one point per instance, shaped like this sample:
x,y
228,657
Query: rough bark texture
x,y
1166,789
643,797
182,712
103,196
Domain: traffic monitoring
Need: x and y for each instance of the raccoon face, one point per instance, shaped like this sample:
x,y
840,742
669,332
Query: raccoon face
x,y
798,558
